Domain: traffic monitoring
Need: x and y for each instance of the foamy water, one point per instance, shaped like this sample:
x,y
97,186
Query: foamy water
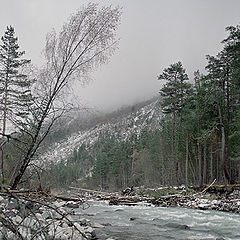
x,y
150,223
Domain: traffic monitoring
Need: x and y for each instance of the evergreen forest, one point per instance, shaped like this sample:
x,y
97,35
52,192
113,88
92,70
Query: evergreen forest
x,y
198,140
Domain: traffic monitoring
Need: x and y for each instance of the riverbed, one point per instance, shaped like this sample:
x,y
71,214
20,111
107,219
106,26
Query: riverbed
x,y
156,223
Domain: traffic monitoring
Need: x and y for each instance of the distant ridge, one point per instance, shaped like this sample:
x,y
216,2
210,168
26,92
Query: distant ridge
x,y
121,124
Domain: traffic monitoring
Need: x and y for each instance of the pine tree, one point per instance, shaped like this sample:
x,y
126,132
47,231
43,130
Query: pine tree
x,y
174,91
15,94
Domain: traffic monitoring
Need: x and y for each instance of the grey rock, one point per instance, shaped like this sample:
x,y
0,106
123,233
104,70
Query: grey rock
x,y
17,219
46,215
83,222
72,205
59,204
178,226
97,225
89,230
107,224
119,210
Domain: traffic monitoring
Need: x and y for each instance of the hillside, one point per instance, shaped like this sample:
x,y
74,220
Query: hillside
x,y
119,124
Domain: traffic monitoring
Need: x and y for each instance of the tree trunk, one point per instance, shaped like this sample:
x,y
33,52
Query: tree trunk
x,y
176,163
200,164
173,132
4,126
5,106
205,163
211,161
186,164
223,146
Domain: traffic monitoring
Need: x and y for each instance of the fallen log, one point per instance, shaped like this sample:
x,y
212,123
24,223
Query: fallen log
x,y
126,201
205,189
68,198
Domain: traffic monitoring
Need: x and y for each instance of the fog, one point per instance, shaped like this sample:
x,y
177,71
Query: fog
x,y
153,34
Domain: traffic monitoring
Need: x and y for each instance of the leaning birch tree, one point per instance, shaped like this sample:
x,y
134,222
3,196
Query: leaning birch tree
x,y
86,41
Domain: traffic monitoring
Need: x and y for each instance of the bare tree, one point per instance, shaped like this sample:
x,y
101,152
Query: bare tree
x,y
87,40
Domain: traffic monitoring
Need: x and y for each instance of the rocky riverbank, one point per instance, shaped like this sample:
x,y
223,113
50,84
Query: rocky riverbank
x,y
39,217
202,201
220,198
22,218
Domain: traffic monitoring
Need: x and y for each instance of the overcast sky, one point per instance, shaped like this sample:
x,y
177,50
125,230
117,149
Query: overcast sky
x,y
153,34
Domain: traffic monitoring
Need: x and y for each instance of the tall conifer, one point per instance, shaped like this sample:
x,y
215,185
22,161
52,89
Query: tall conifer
x,y
15,94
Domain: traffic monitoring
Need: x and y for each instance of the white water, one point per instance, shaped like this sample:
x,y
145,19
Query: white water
x,y
154,223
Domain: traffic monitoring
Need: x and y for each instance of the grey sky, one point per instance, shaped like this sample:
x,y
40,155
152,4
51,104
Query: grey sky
x,y
153,33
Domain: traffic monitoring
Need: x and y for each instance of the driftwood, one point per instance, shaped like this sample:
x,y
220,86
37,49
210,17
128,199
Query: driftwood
x,y
30,194
130,201
223,188
205,189
122,201
68,198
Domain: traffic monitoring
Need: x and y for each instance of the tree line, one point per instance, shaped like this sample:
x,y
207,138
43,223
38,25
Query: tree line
x,y
199,134
200,131
202,119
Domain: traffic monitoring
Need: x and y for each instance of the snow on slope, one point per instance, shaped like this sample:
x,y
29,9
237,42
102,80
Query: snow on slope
x,y
121,127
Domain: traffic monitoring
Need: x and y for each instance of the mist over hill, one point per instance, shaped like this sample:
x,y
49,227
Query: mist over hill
x,y
89,127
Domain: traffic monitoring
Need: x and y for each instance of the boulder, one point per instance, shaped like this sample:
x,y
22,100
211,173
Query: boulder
x,y
71,204
17,219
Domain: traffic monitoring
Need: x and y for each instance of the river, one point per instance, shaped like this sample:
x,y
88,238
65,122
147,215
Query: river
x,y
156,223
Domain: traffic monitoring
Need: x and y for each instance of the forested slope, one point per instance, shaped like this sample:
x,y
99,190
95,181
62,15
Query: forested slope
x,y
194,142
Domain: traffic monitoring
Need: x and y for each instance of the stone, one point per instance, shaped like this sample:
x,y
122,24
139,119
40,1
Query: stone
x,y
97,225
17,219
25,232
72,205
46,215
178,226
79,227
84,222
215,201
119,210
204,206
55,230
58,232
10,235
59,204
88,235
89,230
78,236
39,217
55,215
63,211
64,225
107,224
